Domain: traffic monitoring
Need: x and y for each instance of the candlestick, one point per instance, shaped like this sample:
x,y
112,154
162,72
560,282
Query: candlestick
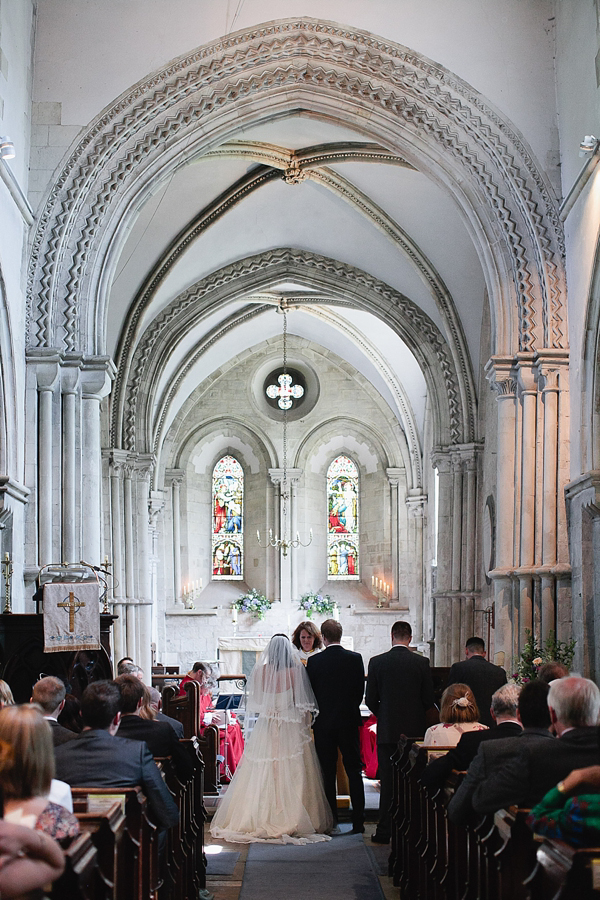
x,y
7,571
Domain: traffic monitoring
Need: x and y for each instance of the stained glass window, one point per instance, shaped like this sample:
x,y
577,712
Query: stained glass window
x,y
228,520
342,520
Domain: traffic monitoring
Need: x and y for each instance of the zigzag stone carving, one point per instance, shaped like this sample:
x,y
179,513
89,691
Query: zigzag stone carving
x,y
353,68
347,285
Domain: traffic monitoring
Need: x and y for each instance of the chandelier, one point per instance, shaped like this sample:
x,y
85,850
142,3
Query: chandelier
x,y
285,393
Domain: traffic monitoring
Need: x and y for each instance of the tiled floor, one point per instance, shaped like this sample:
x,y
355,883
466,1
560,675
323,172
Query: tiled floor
x,y
228,887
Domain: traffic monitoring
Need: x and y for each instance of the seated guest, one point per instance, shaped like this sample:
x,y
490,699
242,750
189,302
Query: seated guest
x,y
130,668
575,819
307,640
458,715
122,665
156,704
26,773
231,740
574,705
504,714
159,736
482,676
534,716
97,758
49,694
552,670
29,860
6,695
70,717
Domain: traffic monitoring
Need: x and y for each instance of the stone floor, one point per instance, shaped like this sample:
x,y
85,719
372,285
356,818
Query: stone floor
x,y
228,887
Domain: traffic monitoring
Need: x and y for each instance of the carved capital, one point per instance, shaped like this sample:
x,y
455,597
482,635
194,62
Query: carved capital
x,y
117,459
415,504
394,474
97,376
174,476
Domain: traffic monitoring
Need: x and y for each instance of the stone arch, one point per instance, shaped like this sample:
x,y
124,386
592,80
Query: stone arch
x,y
440,123
332,281
8,390
590,391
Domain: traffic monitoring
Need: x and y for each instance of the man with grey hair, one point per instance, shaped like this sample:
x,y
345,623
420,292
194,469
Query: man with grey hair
x,y
49,694
574,705
504,713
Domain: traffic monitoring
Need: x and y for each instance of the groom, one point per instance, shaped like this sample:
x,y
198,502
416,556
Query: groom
x,y
337,677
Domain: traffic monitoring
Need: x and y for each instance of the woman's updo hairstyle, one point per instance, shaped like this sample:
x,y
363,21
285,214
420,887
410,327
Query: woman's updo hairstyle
x,y
458,705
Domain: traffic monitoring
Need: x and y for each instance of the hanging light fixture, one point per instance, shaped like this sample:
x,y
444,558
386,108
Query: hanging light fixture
x,y
285,393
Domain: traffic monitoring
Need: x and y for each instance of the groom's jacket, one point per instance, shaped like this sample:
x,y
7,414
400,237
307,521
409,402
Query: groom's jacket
x,y
337,677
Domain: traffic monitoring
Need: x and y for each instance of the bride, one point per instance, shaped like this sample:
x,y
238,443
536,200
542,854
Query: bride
x,y
276,794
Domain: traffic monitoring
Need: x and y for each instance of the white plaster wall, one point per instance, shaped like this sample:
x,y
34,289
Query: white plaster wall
x,y
16,55
88,53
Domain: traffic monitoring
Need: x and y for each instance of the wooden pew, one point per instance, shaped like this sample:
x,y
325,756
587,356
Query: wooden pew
x,y
563,872
187,711
80,879
106,830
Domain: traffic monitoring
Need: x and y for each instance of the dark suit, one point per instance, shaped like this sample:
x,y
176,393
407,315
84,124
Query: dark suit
x,y
491,756
337,677
161,741
399,693
484,679
60,734
528,776
97,759
175,724
461,756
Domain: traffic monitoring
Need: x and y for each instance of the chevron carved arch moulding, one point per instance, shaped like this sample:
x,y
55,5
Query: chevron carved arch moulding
x,y
414,105
134,394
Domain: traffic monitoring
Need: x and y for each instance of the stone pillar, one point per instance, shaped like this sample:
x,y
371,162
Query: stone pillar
x,y
393,475
457,539
70,517
96,378
174,477
443,587
294,476
144,471
285,525
117,460
132,648
528,397
156,505
416,509
47,372
499,371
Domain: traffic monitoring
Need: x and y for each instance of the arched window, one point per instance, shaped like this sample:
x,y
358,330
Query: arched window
x,y
342,520
228,520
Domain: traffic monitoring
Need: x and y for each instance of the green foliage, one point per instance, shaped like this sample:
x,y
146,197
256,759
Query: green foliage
x,y
254,603
533,656
321,604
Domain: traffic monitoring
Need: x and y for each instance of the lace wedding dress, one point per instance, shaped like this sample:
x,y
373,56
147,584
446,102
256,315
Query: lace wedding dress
x,y
276,795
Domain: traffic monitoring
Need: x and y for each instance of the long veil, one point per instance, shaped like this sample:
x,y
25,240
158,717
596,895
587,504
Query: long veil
x,y
279,686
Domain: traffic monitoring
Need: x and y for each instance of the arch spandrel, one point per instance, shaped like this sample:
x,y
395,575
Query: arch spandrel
x,y
410,102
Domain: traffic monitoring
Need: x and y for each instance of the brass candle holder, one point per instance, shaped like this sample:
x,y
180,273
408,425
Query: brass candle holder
x,y
7,570
106,566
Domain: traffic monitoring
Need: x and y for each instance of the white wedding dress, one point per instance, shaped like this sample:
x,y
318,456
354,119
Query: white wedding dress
x,y
277,795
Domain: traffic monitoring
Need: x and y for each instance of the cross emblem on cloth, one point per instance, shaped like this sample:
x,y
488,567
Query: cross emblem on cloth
x,y
287,392
72,604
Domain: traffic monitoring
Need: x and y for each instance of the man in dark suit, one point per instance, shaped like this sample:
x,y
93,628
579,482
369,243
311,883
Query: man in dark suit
x,y
483,677
574,705
504,714
399,693
534,716
337,677
159,736
156,704
49,694
97,758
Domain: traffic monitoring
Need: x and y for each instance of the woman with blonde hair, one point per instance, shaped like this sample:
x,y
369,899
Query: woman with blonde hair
x,y
27,771
6,695
458,714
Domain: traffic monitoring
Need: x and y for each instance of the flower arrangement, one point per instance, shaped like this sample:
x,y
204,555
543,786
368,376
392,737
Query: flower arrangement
x,y
533,656
253,602
322,604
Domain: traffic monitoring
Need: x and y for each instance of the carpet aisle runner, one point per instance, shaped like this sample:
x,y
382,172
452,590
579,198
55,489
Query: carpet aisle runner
x,y
340,869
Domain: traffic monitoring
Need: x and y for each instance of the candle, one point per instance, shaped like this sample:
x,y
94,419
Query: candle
x,y
372,581
234,614
336,614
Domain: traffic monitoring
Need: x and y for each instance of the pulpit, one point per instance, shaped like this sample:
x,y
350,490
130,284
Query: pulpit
x,y
23,661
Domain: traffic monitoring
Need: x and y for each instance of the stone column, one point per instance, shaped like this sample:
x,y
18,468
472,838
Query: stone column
x,y
70,515
416,509
47,372
132,648
393,475
97,374
144,468
117,460
156,504
294,476
500,373
442,594
528,396
284,587
174,477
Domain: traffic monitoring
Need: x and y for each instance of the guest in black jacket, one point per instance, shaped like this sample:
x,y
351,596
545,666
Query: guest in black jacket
x,y
482,676
97,758
504,713
159,736
399,693
337,677
49,694
574,705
